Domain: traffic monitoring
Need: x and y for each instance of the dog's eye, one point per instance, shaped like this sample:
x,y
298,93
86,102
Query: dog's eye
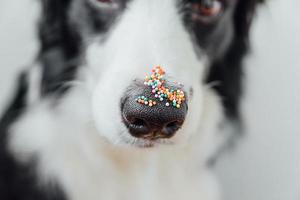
x,y
207,10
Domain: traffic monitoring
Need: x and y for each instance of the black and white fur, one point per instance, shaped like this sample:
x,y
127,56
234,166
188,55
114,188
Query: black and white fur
x,y
62,136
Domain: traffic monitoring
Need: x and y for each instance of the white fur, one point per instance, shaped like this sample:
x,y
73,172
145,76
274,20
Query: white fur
x,y
75,141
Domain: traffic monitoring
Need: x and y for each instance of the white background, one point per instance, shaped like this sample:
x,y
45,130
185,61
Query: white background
x,y
266,163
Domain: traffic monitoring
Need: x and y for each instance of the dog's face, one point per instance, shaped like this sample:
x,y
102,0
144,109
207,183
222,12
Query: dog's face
x,y
125,39
122,40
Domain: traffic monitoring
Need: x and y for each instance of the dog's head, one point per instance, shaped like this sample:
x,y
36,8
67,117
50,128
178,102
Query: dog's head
x,y
197,42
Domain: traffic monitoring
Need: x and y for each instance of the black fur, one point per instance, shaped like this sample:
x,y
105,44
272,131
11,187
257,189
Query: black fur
x,y
61,40
19,181
227,71
60,47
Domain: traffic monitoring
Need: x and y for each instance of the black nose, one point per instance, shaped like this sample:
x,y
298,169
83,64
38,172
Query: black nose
x,y
159,121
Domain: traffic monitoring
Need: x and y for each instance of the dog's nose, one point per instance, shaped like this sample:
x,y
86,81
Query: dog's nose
x,y
159,121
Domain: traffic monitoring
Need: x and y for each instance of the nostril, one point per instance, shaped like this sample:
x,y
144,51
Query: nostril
x,y
172,127
137,126
138,122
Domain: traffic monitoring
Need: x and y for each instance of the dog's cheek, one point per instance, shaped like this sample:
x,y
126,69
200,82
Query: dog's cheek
x,y
106,109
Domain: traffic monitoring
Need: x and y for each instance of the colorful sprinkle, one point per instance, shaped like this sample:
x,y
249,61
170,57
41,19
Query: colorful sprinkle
x,y
156,83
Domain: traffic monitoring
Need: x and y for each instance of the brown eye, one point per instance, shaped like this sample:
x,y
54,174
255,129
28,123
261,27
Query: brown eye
x,y
207,10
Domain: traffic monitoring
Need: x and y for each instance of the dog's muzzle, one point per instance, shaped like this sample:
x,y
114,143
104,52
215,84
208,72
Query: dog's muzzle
x,y
151,122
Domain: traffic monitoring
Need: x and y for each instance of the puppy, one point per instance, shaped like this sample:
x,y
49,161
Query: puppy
x,y
75,131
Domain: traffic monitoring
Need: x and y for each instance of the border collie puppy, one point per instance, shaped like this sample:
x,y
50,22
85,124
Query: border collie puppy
x,y
74,130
